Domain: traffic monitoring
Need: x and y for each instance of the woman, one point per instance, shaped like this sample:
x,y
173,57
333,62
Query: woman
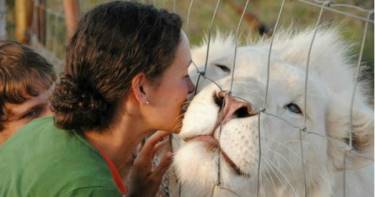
x,y
125,78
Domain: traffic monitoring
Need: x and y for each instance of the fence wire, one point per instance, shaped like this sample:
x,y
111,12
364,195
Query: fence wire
x,y
2,20
324,6
366,17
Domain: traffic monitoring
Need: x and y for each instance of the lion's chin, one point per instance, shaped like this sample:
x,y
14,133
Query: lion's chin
x,y
197,170
196,160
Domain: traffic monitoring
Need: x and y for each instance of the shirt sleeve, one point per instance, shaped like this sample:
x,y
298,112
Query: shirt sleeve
x,y
94,192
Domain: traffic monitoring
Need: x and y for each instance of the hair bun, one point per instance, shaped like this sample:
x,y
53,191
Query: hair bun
x,y
77,104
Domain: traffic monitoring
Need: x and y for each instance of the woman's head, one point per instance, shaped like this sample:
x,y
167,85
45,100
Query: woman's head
x,y
114,43
25,81
166,100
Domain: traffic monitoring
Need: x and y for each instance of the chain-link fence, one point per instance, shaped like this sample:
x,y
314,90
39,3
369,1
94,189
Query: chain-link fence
x,y
364,16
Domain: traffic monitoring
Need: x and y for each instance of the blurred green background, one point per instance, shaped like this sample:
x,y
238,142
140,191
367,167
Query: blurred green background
x,y
296,14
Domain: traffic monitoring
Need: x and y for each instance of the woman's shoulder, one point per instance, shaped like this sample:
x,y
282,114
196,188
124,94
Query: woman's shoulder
x,y
28,132
38,130
45,158
98,191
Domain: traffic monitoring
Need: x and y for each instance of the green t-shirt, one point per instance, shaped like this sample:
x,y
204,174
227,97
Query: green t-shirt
x,y
41,160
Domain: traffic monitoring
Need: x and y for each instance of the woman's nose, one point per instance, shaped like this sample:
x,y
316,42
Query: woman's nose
x,y
191,86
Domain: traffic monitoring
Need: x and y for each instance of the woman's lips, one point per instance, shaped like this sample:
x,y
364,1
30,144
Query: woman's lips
x,y
185,105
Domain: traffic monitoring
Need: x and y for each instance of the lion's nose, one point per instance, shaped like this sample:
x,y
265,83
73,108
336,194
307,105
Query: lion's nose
x,y
232,107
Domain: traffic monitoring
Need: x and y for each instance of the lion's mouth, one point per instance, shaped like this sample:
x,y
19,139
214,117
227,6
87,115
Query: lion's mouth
x,y
229,108
213,144
207,139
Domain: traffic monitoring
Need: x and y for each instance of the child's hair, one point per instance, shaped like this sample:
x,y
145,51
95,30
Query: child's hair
x,y
23,74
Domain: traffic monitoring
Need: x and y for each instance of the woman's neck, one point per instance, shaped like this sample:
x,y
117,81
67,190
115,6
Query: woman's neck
x,y
120,140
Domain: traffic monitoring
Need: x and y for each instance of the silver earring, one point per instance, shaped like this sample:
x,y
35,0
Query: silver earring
x,y
146,100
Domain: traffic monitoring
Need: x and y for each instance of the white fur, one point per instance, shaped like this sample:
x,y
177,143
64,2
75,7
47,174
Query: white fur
x,y
328,114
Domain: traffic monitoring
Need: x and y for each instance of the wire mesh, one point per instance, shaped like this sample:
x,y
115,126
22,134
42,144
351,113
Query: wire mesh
x,y
324,6
2,20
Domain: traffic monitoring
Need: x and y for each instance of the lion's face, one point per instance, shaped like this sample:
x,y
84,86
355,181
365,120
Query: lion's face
x,y
223,130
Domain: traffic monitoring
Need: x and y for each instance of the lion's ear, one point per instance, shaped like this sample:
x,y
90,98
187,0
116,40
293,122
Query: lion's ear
x,y
362,135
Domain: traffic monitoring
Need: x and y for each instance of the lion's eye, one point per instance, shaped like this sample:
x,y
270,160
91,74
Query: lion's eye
x,y
223,68
293,108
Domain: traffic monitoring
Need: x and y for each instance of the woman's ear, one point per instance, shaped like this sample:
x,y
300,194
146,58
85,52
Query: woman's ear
x,y
138,84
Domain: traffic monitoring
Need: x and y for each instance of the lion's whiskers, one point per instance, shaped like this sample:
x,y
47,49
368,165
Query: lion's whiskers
x,y
323,177
269,178
282,145
274,166
275,153
279,175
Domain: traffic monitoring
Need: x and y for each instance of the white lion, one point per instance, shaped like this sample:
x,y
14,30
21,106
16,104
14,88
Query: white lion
x,y
234,146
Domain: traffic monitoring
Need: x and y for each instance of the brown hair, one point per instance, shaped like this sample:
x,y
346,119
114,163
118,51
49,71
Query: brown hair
x,y
113,42
23,74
